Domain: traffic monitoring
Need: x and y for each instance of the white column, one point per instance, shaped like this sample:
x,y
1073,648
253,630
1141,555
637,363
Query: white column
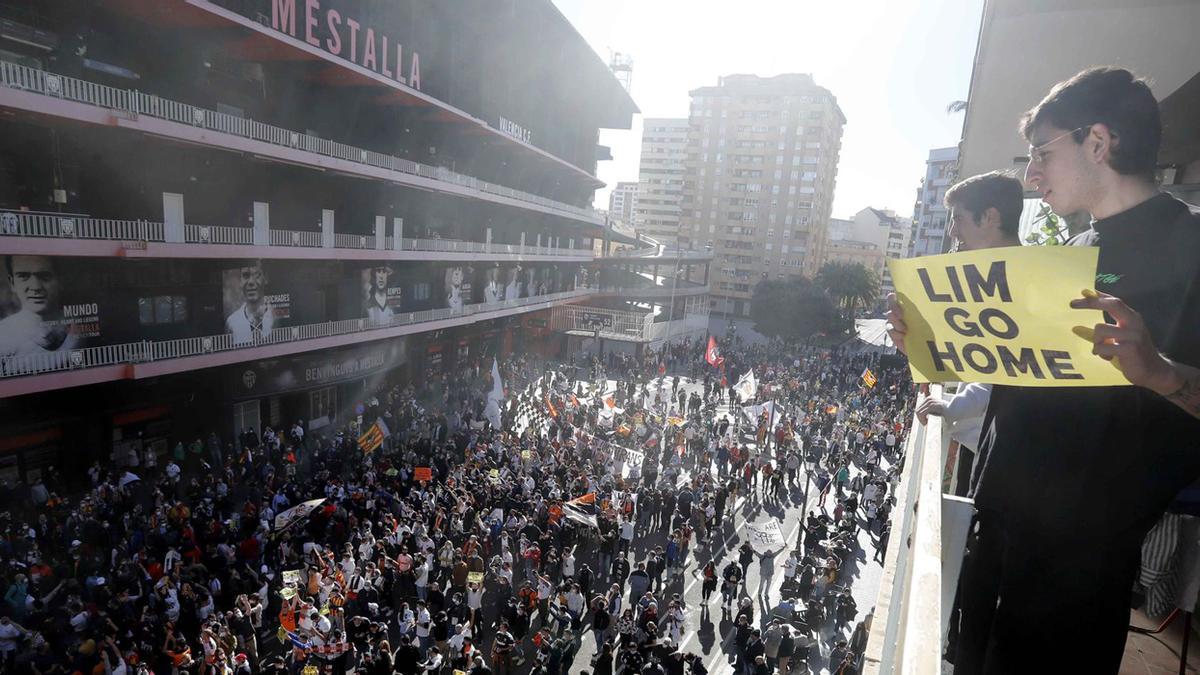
x,y
327,228
397,233
173,217
538,245
262,224
380,231
489,236
522,240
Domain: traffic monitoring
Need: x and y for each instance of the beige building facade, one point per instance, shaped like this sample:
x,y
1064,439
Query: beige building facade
x,y
844,244
759,177
660,180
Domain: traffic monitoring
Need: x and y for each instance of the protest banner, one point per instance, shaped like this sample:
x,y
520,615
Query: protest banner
x,y
297,513
765,536
1001,316
474,577
422,473
627,456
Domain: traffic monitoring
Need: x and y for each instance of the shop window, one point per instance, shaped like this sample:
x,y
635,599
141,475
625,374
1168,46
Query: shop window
x,y
421,291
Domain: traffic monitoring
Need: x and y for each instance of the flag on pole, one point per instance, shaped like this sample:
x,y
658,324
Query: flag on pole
x,y
747,386
610,403
869,378
297,513
372,439
713,353
497,392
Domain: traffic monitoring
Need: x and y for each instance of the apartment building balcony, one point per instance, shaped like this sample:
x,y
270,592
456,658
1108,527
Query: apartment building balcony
x,y
43,93
68,234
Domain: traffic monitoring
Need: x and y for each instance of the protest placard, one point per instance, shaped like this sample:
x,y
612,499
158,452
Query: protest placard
x,y
1001,316
765,536
422,473
474,577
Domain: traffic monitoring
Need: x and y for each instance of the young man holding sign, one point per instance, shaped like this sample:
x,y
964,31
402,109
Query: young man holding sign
x,y
1076,476
985,212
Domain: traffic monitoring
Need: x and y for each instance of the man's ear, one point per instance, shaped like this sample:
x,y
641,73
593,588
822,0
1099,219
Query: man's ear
x,y
1100,142
990,218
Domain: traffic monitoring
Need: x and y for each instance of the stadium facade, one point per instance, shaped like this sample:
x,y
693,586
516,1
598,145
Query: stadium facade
x,y
242,213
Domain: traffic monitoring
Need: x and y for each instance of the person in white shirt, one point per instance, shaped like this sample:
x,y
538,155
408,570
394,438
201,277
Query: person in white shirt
x,y
965,412
422,570
568,563
474,601
10,633
424,623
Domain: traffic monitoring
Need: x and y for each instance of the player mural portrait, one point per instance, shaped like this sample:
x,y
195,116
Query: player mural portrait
x,y
381,300
251,312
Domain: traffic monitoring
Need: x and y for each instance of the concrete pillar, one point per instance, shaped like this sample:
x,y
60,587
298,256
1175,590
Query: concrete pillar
x,y
522,240
262,224
173,217
327,228
397,233
488,234
538,245
380,232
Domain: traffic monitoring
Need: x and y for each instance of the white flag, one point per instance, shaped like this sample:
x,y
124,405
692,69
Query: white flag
x,y
497,393
297,513
747,386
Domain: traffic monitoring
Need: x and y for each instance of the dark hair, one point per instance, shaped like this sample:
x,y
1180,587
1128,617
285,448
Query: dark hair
x,y
1115,98
995,190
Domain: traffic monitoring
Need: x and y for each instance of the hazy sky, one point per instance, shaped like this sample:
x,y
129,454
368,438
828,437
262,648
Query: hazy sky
x,y
893,65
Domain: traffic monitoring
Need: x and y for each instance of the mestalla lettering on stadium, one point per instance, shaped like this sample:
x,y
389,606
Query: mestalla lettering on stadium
x,y
342,35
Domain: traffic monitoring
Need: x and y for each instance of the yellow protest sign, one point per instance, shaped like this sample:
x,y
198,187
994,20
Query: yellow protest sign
x,y
474,577
1001,316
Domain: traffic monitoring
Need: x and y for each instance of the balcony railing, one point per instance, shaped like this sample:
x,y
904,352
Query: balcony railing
x,y
921,567
22,224
47,225
665,255
25,78
158,350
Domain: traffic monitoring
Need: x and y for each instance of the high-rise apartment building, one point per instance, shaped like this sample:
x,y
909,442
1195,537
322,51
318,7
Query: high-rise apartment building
x,y
930,217
622,201
660,181
760,169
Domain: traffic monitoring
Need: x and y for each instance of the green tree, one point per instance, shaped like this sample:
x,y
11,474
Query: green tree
x,y
792,309
850,285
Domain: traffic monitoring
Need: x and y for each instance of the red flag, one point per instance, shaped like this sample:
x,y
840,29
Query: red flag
x,y
713,353
662,369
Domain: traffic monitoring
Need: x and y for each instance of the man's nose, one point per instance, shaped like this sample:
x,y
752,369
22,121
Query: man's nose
x,y
1033,174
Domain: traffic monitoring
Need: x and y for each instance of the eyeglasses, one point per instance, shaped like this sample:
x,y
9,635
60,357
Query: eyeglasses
x,y
1037,154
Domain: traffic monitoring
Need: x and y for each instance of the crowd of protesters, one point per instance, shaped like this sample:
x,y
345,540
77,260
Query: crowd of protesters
x,y
459,546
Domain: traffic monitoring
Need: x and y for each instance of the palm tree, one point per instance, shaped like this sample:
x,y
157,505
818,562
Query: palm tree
x,y
851,285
